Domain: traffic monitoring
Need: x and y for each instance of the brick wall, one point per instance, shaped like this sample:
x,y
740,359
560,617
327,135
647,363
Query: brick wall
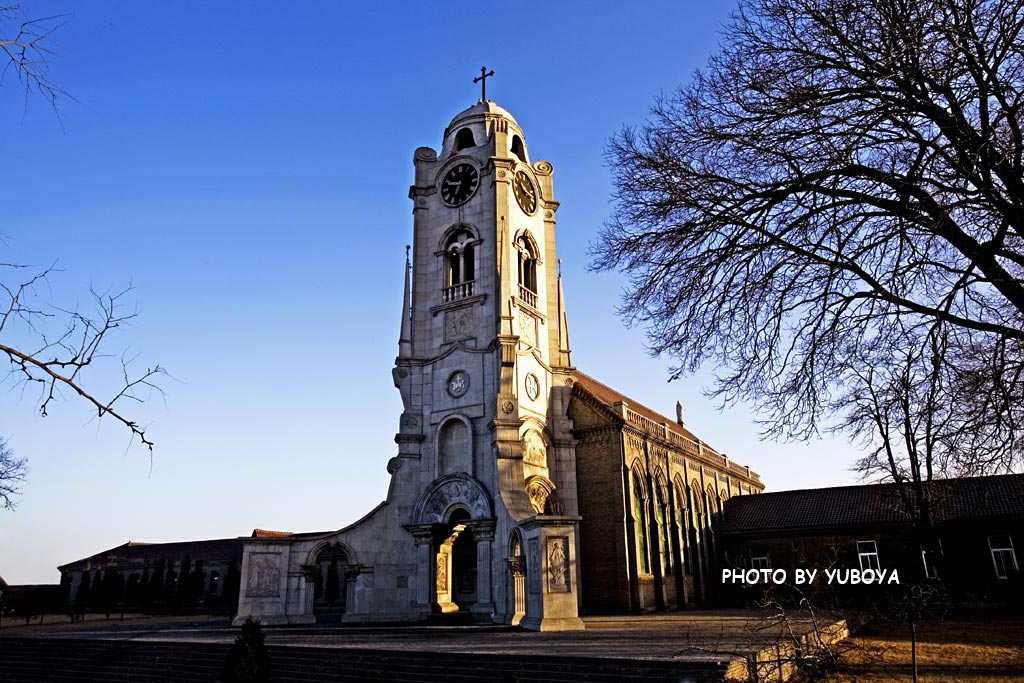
x,y
605,584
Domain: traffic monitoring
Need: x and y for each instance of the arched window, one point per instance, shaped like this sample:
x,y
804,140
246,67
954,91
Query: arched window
x,y
714,507
640,526
516,604
461,266
696,505
714,510
515,543
518,149
464,140
685,551
527,271
697,521
662,520
454,448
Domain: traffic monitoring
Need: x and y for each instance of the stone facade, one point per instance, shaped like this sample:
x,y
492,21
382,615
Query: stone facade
x,y
483,514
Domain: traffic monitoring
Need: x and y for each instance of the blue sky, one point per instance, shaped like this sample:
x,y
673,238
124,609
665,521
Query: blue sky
x,y
245,167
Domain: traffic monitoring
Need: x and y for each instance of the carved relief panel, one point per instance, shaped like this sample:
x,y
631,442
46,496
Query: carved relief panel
x,y
442,573
458,324
543,496
264,575
534,450
558,565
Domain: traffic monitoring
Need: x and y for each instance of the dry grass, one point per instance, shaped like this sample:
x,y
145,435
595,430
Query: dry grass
x,y
947,652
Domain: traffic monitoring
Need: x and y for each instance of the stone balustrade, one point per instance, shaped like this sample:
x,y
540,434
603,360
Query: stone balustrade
x,y
528,296
459,291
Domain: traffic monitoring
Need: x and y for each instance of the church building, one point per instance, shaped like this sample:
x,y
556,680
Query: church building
x,y
523,491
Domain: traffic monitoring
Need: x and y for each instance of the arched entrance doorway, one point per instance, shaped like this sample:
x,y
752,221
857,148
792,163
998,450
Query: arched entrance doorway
x,y
456,565
329,581
453,528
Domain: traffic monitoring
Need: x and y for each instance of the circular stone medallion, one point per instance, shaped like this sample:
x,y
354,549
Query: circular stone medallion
x,y
532,386
458,383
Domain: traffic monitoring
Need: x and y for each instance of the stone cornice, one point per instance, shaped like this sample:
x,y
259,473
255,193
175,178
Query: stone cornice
x,y
550,520
708,460
450,348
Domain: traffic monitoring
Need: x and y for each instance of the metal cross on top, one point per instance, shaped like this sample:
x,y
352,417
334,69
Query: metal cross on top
x,y
482,79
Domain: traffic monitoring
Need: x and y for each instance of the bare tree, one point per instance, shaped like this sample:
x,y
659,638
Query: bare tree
x,y
12,474
832,212
49,348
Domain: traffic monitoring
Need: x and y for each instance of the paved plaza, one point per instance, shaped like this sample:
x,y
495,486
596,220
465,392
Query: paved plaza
x,y
730,637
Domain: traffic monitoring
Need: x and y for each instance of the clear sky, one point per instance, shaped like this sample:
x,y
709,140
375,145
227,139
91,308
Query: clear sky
x,y
245,167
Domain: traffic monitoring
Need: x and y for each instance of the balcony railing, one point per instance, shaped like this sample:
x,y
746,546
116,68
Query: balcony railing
x,y
528,296
459,291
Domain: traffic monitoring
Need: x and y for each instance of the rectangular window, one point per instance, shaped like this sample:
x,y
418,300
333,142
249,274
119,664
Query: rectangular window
x,y
1003,557
867,555
759,562
929,560
929,567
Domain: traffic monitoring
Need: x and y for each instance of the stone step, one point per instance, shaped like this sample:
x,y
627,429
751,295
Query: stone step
x,y
45,660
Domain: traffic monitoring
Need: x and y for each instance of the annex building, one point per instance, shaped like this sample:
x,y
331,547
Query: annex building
x,y
979,522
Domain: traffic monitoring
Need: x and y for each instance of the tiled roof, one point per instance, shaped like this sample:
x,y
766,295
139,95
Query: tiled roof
x,y
216,550
608,396
267,533
952,499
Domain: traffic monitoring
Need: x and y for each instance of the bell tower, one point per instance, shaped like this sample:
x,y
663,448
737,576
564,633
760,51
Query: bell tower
x,y
486,466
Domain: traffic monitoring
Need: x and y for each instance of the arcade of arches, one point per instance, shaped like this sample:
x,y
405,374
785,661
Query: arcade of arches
x,y
664,540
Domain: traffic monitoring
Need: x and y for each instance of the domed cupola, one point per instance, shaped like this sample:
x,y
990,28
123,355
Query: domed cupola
x,y
486,127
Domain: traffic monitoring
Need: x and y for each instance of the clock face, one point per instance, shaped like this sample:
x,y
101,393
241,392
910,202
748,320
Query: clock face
x,y
458,383
459,184
532,386
525,193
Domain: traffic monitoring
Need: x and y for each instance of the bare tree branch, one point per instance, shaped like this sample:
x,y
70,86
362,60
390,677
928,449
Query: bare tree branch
x,y
57,361
26,45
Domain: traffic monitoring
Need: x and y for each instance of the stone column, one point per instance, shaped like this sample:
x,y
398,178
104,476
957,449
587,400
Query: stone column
x,y
443,579
307,591
299,608
423,538
517,567
355,604
483,534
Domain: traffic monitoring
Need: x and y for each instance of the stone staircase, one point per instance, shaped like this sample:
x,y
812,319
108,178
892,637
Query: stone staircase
x,y
32,660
